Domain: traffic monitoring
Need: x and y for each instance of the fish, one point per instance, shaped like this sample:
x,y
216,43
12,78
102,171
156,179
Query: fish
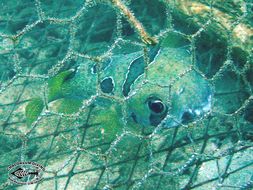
x,y
172,92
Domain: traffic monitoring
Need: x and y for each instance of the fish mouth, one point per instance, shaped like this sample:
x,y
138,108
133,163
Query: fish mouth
x,y
188,116
191,115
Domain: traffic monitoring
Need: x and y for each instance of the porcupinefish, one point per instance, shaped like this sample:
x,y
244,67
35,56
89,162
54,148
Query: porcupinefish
x,y
173,92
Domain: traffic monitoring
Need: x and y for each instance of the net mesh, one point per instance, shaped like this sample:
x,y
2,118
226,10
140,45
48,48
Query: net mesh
x,y
98,145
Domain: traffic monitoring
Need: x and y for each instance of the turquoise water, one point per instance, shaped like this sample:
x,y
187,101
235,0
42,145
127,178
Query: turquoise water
x,y
126,94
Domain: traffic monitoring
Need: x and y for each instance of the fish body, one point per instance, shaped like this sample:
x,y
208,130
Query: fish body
x,y
174,92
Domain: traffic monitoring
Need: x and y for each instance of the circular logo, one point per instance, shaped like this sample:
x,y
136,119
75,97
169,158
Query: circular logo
x,y
25,173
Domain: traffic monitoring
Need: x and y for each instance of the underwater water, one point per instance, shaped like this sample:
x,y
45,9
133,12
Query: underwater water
x,y
126,94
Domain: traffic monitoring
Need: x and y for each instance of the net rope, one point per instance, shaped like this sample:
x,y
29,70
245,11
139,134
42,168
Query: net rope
x,y
39,41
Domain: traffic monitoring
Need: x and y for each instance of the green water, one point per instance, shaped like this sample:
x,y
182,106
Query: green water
x,y
86,97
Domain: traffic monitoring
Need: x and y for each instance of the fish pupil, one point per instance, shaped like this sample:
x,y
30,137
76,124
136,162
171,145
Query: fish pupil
x,y
156,106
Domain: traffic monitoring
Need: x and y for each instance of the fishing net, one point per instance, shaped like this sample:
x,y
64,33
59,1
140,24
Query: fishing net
x,y
72,72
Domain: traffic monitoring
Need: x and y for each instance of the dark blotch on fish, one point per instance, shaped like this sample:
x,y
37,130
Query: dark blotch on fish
x,y
107,85
137,68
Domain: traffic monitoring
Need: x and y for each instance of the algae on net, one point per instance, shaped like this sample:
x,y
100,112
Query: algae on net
x,y
76,89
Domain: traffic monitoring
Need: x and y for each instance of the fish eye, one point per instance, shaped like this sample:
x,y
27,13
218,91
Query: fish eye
x,y
156,106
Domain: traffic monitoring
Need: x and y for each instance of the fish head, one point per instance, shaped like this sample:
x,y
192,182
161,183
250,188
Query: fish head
x,y
172,92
